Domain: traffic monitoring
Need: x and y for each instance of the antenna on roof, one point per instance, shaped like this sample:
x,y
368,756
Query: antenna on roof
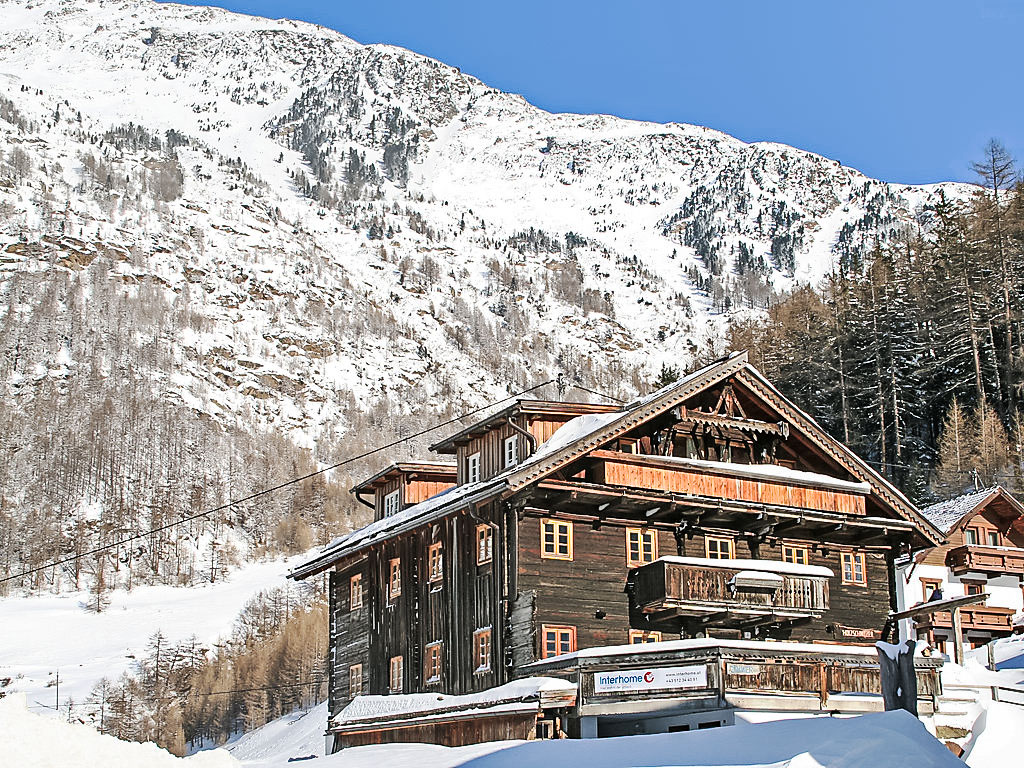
x,y
560,384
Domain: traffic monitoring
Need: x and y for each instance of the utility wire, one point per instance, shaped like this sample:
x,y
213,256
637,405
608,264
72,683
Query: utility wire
x,y
186,694
272,489
599,394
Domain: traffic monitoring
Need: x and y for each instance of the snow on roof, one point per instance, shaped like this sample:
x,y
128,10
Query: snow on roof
x,y
440,503
772,472
572,431
698,643
946,514
769,566
416,514
373,707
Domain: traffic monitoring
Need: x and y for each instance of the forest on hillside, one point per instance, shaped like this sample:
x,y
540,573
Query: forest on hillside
x,y
913,356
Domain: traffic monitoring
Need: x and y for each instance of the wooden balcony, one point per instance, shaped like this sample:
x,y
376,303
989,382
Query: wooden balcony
x,y
991,618
976,558
755,483
728,593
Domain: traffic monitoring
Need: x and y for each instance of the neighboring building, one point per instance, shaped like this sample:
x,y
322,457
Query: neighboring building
x,y
713,507
984,553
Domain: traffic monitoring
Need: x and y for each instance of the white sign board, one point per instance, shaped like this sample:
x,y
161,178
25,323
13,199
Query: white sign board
x,y
659,678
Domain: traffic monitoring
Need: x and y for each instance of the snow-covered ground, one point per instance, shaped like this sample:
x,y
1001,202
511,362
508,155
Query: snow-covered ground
x,y
884,740
28,740
46,634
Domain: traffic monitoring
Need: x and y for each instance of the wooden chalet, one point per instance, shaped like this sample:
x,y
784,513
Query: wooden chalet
x,y
712,508
983,555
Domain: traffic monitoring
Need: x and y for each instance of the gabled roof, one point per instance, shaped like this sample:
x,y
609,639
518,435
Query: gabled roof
x,y
611,426
946,515
590,431
445,468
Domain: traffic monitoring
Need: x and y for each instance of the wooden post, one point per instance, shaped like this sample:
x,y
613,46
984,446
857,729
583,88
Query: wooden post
x,y
958,637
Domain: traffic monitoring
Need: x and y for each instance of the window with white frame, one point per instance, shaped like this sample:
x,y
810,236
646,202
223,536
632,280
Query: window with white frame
x,y
395,675
473,468
435,562
482,649
432,663
484,544
392,503
511,451
355,680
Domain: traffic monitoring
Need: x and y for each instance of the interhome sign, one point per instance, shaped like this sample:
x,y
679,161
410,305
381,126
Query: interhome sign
x,y
657,679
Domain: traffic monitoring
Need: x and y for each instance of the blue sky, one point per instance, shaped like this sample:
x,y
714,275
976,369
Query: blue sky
x,y
906,90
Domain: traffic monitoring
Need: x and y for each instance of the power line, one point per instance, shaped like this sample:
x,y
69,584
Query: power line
x,y
265,491
187,694
599,394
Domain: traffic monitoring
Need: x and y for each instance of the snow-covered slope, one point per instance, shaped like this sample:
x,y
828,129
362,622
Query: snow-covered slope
x,y
44,636
216,227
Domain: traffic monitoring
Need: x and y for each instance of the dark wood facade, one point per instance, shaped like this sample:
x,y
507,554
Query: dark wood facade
x,y
718,466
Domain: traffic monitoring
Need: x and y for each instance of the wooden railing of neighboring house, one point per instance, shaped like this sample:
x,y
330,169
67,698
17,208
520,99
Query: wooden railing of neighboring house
x,y
994,560
990,617
723,481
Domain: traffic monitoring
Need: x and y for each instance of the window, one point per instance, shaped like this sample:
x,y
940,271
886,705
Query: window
x,y
639,636
511,451
557,640
718,548
973,588
482,650
473,468
395,675
435,562
556,539
484,544
928,586
355,680
641,547
854,571
392,504
971,536
794,554
432,663
355,592
993,538
395,578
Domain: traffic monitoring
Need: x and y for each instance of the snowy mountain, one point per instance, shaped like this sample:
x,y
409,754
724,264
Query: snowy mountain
x,y
224,239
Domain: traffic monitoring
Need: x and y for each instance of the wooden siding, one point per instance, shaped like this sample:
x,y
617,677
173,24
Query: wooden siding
x,y
419,490
349,632
491,446
571,592
639,471
448,611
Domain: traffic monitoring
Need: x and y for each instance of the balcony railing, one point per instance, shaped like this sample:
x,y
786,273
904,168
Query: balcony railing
x,y
983,559
755,483
729,592
985,617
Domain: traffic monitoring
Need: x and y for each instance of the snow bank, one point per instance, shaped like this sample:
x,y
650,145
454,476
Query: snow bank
x,y
997,736
883,740
33,741
297,735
